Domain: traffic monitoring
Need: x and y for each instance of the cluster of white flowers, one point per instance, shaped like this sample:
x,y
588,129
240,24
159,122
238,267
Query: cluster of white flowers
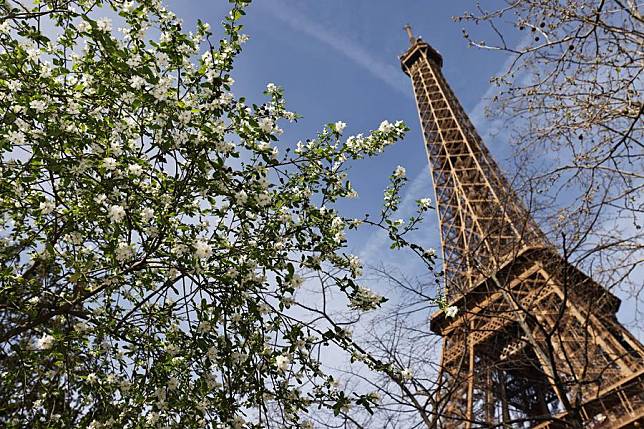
x,y
266,124
45,342
424,203
38,105
137,82
451,311
124,251
204,327
109,163
203,250
374,144
406,374
212,353
355,264
147,214
296,281
386,126
104,24
430,253
364,299
400,172
81,327
4,26
173,383
116,213
135,169
263,199
16,138
283,361
241,197
47,206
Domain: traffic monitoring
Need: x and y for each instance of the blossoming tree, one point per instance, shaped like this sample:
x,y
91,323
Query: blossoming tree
x,y
156,236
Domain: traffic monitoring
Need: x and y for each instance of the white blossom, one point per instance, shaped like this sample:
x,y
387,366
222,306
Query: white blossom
x,y
263,199
137,82
203,250
81,327
355,265
451,311
109,163
204,327
104,24
211,381
424,203
173,383
124,251
135,169
4,26
238,422
147,214
83,26
241,197
47,206
16,137
400,172
116,213
339,126
179,249
307,424
263,146
212,353
406,374
128,6
45,342
266,124
38,105
105,345
385,127
296,281
282,362
152,418
364,299
184,117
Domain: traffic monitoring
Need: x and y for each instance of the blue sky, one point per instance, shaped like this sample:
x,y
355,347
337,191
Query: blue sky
x,y
338,60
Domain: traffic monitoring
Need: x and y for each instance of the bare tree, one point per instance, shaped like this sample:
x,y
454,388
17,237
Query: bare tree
x,y
572,96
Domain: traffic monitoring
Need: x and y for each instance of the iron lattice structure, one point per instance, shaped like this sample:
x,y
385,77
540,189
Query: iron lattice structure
x,y
536,343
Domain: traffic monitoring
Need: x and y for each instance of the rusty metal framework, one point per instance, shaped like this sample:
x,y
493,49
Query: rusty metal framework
x,y
536,343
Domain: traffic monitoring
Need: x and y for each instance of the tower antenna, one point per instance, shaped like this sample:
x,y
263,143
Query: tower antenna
x,y
412,39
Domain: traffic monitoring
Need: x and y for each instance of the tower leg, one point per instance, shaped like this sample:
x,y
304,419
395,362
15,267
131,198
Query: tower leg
x,y
470,386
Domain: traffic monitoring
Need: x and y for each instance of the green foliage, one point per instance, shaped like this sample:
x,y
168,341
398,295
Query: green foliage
x,y
155,242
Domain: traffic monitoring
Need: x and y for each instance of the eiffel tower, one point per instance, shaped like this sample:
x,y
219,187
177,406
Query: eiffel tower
x,y
536,343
